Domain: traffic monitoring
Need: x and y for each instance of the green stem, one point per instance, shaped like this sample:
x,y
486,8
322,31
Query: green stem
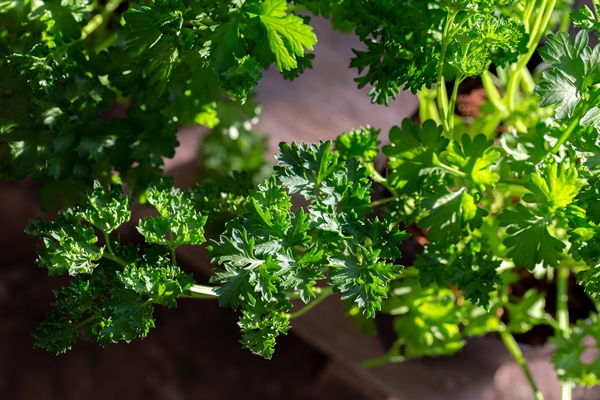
x,y
527,82
500,110
382,201
173,256
489,129
515,351
565,136
99,19
78,325
427,105
392,355
562,315
575,122
536,32
109,254
376,177
173,253
324,293
451,170
201,292
509,182
406,273
106,42
451,106
442,96
527,14
492,92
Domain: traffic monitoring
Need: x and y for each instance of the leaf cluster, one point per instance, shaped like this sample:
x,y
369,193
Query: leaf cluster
x,y
115,286
408,43
272,250
91,89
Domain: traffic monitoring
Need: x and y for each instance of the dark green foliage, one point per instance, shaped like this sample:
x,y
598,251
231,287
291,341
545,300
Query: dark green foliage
x,y
115,287
176,62
271,249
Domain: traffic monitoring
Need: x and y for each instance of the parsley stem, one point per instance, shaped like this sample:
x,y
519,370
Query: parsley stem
x,y
565,135
324,293
391,356
114,258
100,19
111,254
491,91
451,170
489,129
201,292
510,182
427,105
383,201
574,122
536,32
173,253
500,110
562,315
376,177
457,81
442,96
527,14
514,349
527,82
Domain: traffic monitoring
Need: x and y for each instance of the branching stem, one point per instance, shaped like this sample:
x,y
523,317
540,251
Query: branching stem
x,y
457,81
322,295
451,170
383,201
376,177
440,85
201,292
109,254
562,315
536,32
514,349
100,19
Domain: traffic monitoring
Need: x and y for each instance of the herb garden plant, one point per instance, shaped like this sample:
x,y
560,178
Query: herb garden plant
x,y
513,189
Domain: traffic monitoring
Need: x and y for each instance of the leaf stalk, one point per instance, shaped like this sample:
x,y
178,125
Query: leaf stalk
x,y
324,293
511,345
562,315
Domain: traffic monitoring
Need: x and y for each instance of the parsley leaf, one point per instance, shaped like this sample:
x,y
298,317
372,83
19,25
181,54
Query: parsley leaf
x,y
474,157
107,209
573,73
427,320
113,295
178,222
568,358
530,241
553,186
287,35
362,279
270,250
414,151
584,18
359,143
67,245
